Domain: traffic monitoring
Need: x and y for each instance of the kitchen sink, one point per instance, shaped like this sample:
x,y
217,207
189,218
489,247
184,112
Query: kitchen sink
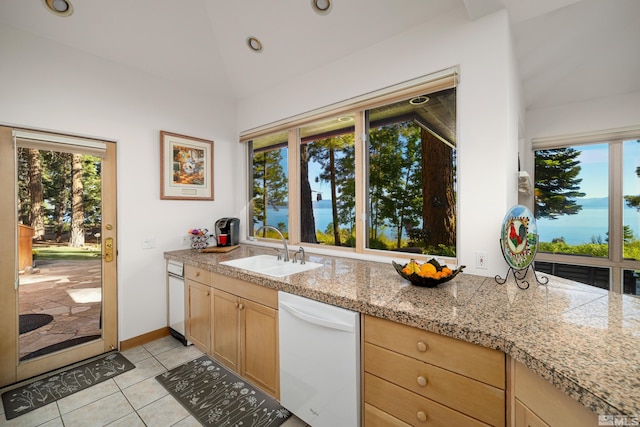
x,y
271,265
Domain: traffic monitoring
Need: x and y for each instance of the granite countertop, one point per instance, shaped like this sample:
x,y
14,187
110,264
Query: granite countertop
x,y
582,339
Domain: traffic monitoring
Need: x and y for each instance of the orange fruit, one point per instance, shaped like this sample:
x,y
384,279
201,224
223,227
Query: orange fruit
x,y
427,269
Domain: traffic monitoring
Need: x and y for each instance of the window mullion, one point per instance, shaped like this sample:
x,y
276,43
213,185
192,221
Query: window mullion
x,y
294,186
361,178
616,214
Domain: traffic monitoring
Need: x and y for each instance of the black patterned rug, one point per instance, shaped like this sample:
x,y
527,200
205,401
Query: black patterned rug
x,y
216,396
41,392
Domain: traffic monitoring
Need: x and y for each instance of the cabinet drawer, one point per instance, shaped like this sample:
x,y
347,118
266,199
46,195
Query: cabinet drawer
x,y
474,361
411,408
374,417
197,274
260,294
463,394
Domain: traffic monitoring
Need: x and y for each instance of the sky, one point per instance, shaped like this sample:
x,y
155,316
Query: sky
x,y
594,161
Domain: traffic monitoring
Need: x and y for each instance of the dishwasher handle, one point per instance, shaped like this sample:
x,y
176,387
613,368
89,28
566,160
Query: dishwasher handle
x,y
320,321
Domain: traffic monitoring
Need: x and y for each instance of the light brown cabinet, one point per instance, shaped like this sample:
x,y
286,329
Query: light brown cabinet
x,y
226,329
198,307
537,403
245,331
237,323
414,377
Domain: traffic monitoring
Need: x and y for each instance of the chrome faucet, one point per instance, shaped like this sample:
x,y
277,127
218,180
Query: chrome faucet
x,y
284,241
301,252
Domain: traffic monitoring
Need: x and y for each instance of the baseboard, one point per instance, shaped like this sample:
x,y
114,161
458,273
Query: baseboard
x,y
144,338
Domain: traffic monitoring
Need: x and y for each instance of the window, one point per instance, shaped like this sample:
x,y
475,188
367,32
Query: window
x,y
327,186
369,175
587,201
411,186
269,156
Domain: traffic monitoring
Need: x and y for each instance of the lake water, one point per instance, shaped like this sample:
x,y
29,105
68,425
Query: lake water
x,y
575,229
588,223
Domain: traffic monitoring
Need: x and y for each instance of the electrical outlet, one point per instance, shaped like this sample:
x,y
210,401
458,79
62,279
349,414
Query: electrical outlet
x,y
481,260
185,240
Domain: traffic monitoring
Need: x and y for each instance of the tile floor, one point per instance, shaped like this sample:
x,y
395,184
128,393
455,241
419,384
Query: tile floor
x,y
131,399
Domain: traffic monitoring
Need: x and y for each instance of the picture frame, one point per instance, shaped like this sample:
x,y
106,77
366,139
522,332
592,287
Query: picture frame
x,y
186,167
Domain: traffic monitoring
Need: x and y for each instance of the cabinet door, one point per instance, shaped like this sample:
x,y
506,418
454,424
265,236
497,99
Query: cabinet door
x,y
259,343
526,418
226,329
198,314
544,403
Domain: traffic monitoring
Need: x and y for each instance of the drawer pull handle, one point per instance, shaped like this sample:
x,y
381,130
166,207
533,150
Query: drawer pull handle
x,y
422,347
422,417
197,274
422,381
241,306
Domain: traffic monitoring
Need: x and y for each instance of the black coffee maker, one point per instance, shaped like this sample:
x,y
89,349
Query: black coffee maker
x,y
229,227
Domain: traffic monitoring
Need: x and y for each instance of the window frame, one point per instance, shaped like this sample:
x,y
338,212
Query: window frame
x,y
445,79
615,262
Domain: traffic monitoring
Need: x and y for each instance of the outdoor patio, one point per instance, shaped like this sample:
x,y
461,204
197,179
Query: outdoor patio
x,y
71,292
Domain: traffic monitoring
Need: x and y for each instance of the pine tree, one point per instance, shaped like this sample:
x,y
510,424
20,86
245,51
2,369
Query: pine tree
x,y
76,239
557,183
633,201
328,153
269,184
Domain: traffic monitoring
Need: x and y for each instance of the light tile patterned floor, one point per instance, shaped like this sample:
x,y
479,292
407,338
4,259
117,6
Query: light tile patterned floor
x,y
131,399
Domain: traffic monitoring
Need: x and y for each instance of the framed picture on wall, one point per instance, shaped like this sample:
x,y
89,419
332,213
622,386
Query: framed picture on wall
x,y
186,167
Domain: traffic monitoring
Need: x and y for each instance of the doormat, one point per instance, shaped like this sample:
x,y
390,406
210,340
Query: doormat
x,y
31,322
41,392
216,396
60,346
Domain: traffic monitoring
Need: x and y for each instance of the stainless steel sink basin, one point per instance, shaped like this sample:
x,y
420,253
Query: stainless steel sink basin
x,y
270,265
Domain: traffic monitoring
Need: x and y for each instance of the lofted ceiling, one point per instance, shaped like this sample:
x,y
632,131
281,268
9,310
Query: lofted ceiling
x,y
567,50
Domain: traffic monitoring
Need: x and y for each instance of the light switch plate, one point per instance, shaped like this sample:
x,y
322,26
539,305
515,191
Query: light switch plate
x,y
148,243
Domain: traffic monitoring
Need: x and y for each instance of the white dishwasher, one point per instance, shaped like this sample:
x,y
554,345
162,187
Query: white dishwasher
x,y
319,361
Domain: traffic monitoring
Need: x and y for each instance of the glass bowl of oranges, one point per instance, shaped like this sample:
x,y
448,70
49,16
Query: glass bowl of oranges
x,y
429,274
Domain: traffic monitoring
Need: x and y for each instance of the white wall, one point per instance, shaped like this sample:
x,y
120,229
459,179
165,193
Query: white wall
x,y
488,105
613,112
48,86
596,115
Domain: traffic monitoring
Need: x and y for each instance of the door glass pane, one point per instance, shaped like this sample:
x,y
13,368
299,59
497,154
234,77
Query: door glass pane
x,y
631,282
270,198
411,175
327,187
631,192
572,200
60,219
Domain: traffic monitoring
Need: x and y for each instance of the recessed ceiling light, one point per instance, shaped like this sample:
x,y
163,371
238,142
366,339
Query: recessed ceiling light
x,y
59,7
254,44
321,6
419,100
345,118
